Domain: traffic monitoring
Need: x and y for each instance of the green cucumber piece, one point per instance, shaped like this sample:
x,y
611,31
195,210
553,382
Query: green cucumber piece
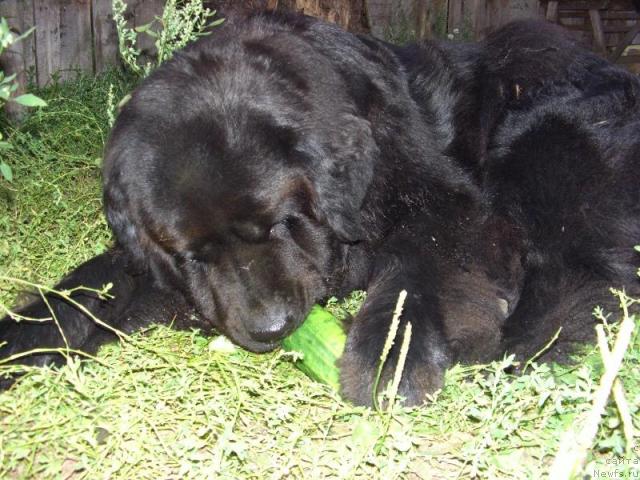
x,y
321,340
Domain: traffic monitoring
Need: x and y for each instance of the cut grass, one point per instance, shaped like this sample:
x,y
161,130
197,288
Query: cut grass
x,y
177,405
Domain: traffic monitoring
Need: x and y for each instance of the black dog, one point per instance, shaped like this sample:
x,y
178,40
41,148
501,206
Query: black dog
x,y
282,160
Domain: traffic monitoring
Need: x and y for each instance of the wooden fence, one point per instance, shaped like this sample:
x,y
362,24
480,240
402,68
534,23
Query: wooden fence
x,y
70,35
482,17
610,27
472,18
76,35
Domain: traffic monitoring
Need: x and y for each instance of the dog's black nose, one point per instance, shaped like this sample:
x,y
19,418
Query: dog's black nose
x,y
273,328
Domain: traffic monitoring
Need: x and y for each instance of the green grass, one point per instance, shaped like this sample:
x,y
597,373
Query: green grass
x,y
51,217
178,405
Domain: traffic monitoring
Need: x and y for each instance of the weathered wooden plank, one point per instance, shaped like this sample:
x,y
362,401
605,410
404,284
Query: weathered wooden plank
x,y
488,15
19,58
522,9
628,59
380,16
402,20
626,41
105,36
478,14
604,14
552,11
495,14
585,5
430,18
141,12
598,32
438,12
47,20
392,19
616,28
75,35
454,15
349,14
621,15
63,38
576,26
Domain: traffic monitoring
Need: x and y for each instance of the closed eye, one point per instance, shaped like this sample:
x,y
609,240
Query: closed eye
x,y
283,227
251,232
188,257
201,254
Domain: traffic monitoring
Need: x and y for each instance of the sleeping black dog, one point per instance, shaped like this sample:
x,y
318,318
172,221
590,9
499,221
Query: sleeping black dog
x,y
282,160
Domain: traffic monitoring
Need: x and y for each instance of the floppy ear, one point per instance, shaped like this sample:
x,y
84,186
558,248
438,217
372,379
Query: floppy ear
x,y
346,173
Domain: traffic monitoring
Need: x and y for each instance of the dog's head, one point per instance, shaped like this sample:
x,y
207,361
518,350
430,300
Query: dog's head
x,y
237,172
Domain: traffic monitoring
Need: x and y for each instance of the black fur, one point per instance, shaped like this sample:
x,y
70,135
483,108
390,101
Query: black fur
x,y
282,160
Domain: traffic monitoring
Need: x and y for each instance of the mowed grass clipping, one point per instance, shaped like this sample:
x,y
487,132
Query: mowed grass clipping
x,y
179,405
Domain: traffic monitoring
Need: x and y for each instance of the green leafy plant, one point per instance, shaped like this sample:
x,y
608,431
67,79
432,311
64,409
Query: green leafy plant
x,y
181,22
8,86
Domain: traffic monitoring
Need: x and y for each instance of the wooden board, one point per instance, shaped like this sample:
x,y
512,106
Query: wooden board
x,y
629,59
141,12
552,11
105,36
380,14
598,32
604,14
63,38
585,4
477,18
455,18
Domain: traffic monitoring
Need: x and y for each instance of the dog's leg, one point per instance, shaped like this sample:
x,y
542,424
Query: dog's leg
x,y
53,322
556,312
457,302
429,354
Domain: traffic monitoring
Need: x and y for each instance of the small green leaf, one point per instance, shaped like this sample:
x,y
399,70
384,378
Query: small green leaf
x,y
24,35
6,172
143,28
146,29
30,100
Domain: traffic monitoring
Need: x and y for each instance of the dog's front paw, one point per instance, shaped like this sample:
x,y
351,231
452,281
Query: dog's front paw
x,y
423,370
